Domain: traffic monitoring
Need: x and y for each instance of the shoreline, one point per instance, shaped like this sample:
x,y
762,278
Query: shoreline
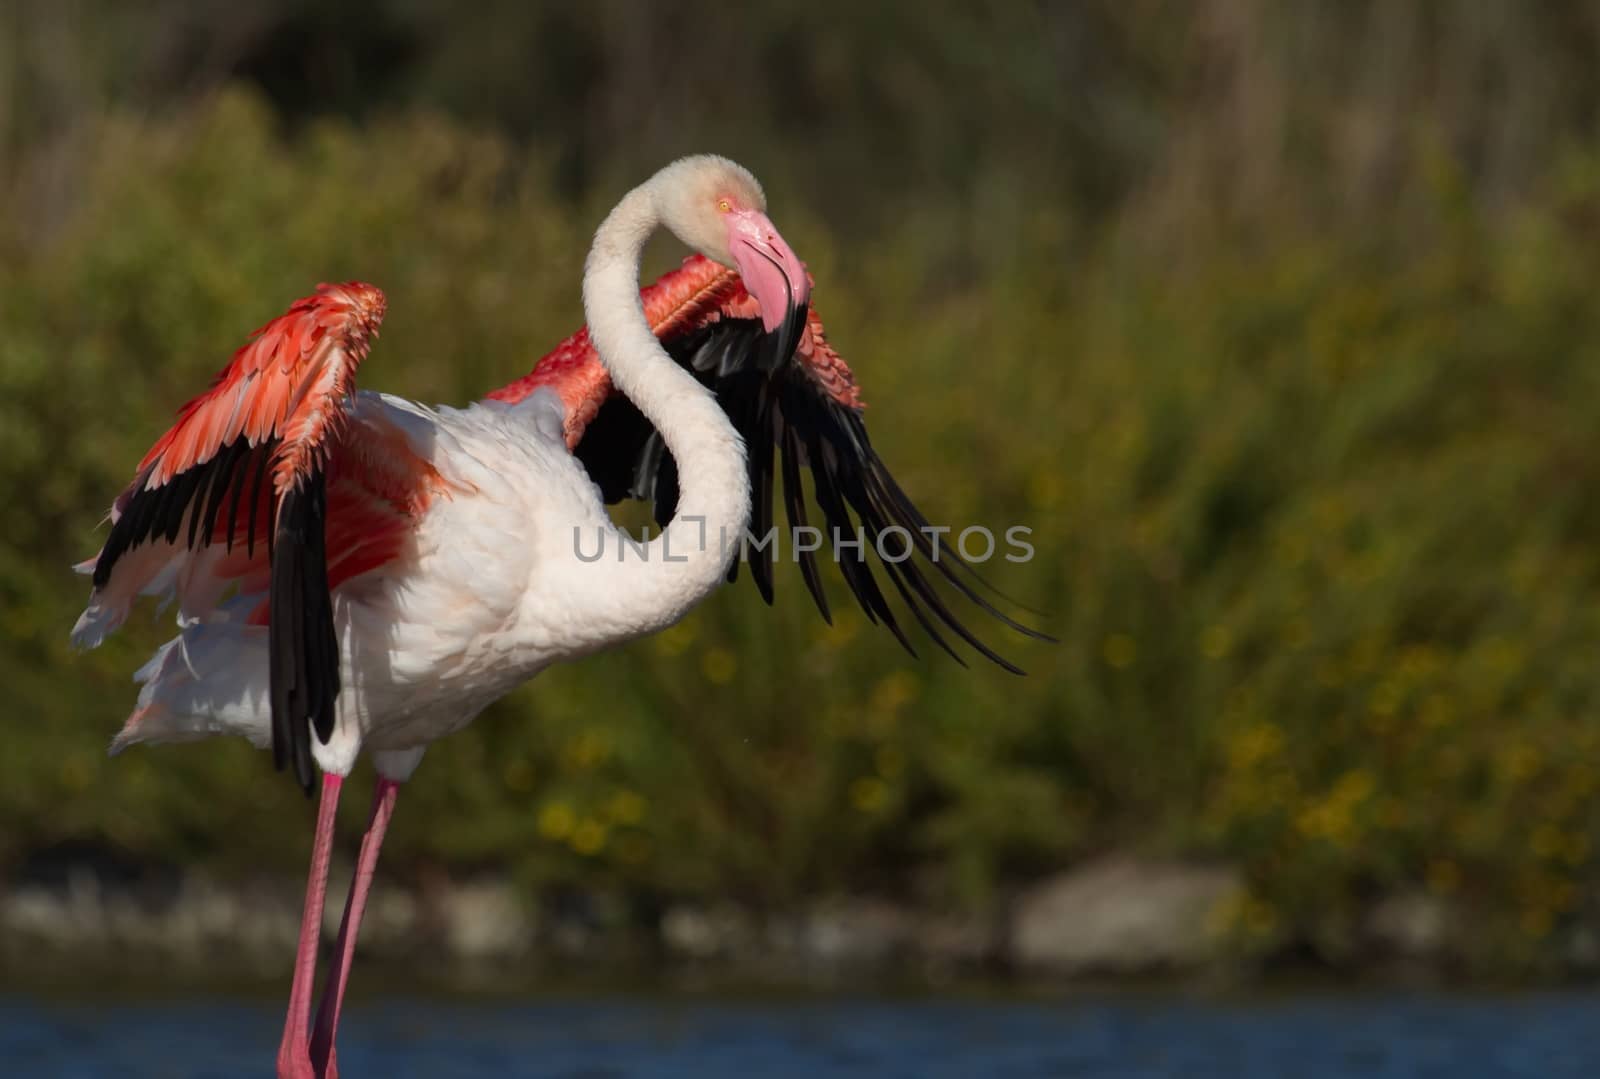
x,y
1115,923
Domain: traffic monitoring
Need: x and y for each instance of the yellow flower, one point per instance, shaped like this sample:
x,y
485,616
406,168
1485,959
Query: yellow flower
x,y
1316,822
626,807
589,837
1120,651
675,640
1436,710
1354,786
897,689
1385,699
868,794
1500,655
1254,744
1418,662
1521,761
556,820
718,665
586,749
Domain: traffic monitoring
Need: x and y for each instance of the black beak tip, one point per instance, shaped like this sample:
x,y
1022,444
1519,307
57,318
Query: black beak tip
x,y
783,340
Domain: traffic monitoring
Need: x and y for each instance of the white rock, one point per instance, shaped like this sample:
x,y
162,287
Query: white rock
x,y
704,933
486,920
1414,925
1121,915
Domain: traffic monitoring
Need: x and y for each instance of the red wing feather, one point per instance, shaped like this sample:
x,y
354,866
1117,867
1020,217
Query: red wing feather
x,y
289,383
270,411
249,456
697,294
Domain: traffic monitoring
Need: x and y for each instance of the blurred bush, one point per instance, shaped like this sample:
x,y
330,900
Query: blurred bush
x,y
1292,379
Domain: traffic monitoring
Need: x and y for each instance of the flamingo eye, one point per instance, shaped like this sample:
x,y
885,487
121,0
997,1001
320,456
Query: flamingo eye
x,y
724,206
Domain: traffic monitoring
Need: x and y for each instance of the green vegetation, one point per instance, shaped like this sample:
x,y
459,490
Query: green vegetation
x,y
1296,387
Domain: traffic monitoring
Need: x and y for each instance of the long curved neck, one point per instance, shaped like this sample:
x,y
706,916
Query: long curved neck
x,y
640,589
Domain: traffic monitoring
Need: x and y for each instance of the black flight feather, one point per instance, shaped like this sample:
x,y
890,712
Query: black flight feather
x,y
303,649
790,423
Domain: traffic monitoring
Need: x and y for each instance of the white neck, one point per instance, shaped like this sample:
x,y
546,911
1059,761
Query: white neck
x,y
651,588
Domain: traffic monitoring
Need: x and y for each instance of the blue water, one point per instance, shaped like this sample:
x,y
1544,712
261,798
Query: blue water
x,y
1534,1036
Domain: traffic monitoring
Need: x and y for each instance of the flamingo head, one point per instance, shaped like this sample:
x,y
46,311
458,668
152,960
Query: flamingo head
x,y
716,207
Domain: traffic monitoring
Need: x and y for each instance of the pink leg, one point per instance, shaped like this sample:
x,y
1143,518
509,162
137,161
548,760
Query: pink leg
x,y
294,1058
322,1053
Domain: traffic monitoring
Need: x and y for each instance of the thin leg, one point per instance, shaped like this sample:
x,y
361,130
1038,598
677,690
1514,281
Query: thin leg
x,y
322,1053
294,1058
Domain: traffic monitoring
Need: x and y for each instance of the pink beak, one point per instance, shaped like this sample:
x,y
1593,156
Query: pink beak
x,y
773,273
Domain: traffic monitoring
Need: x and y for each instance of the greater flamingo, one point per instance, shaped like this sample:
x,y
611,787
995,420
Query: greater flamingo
x,y
355,571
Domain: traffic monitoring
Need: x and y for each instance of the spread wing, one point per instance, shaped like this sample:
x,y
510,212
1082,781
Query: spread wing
x,y
242,477
798,413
